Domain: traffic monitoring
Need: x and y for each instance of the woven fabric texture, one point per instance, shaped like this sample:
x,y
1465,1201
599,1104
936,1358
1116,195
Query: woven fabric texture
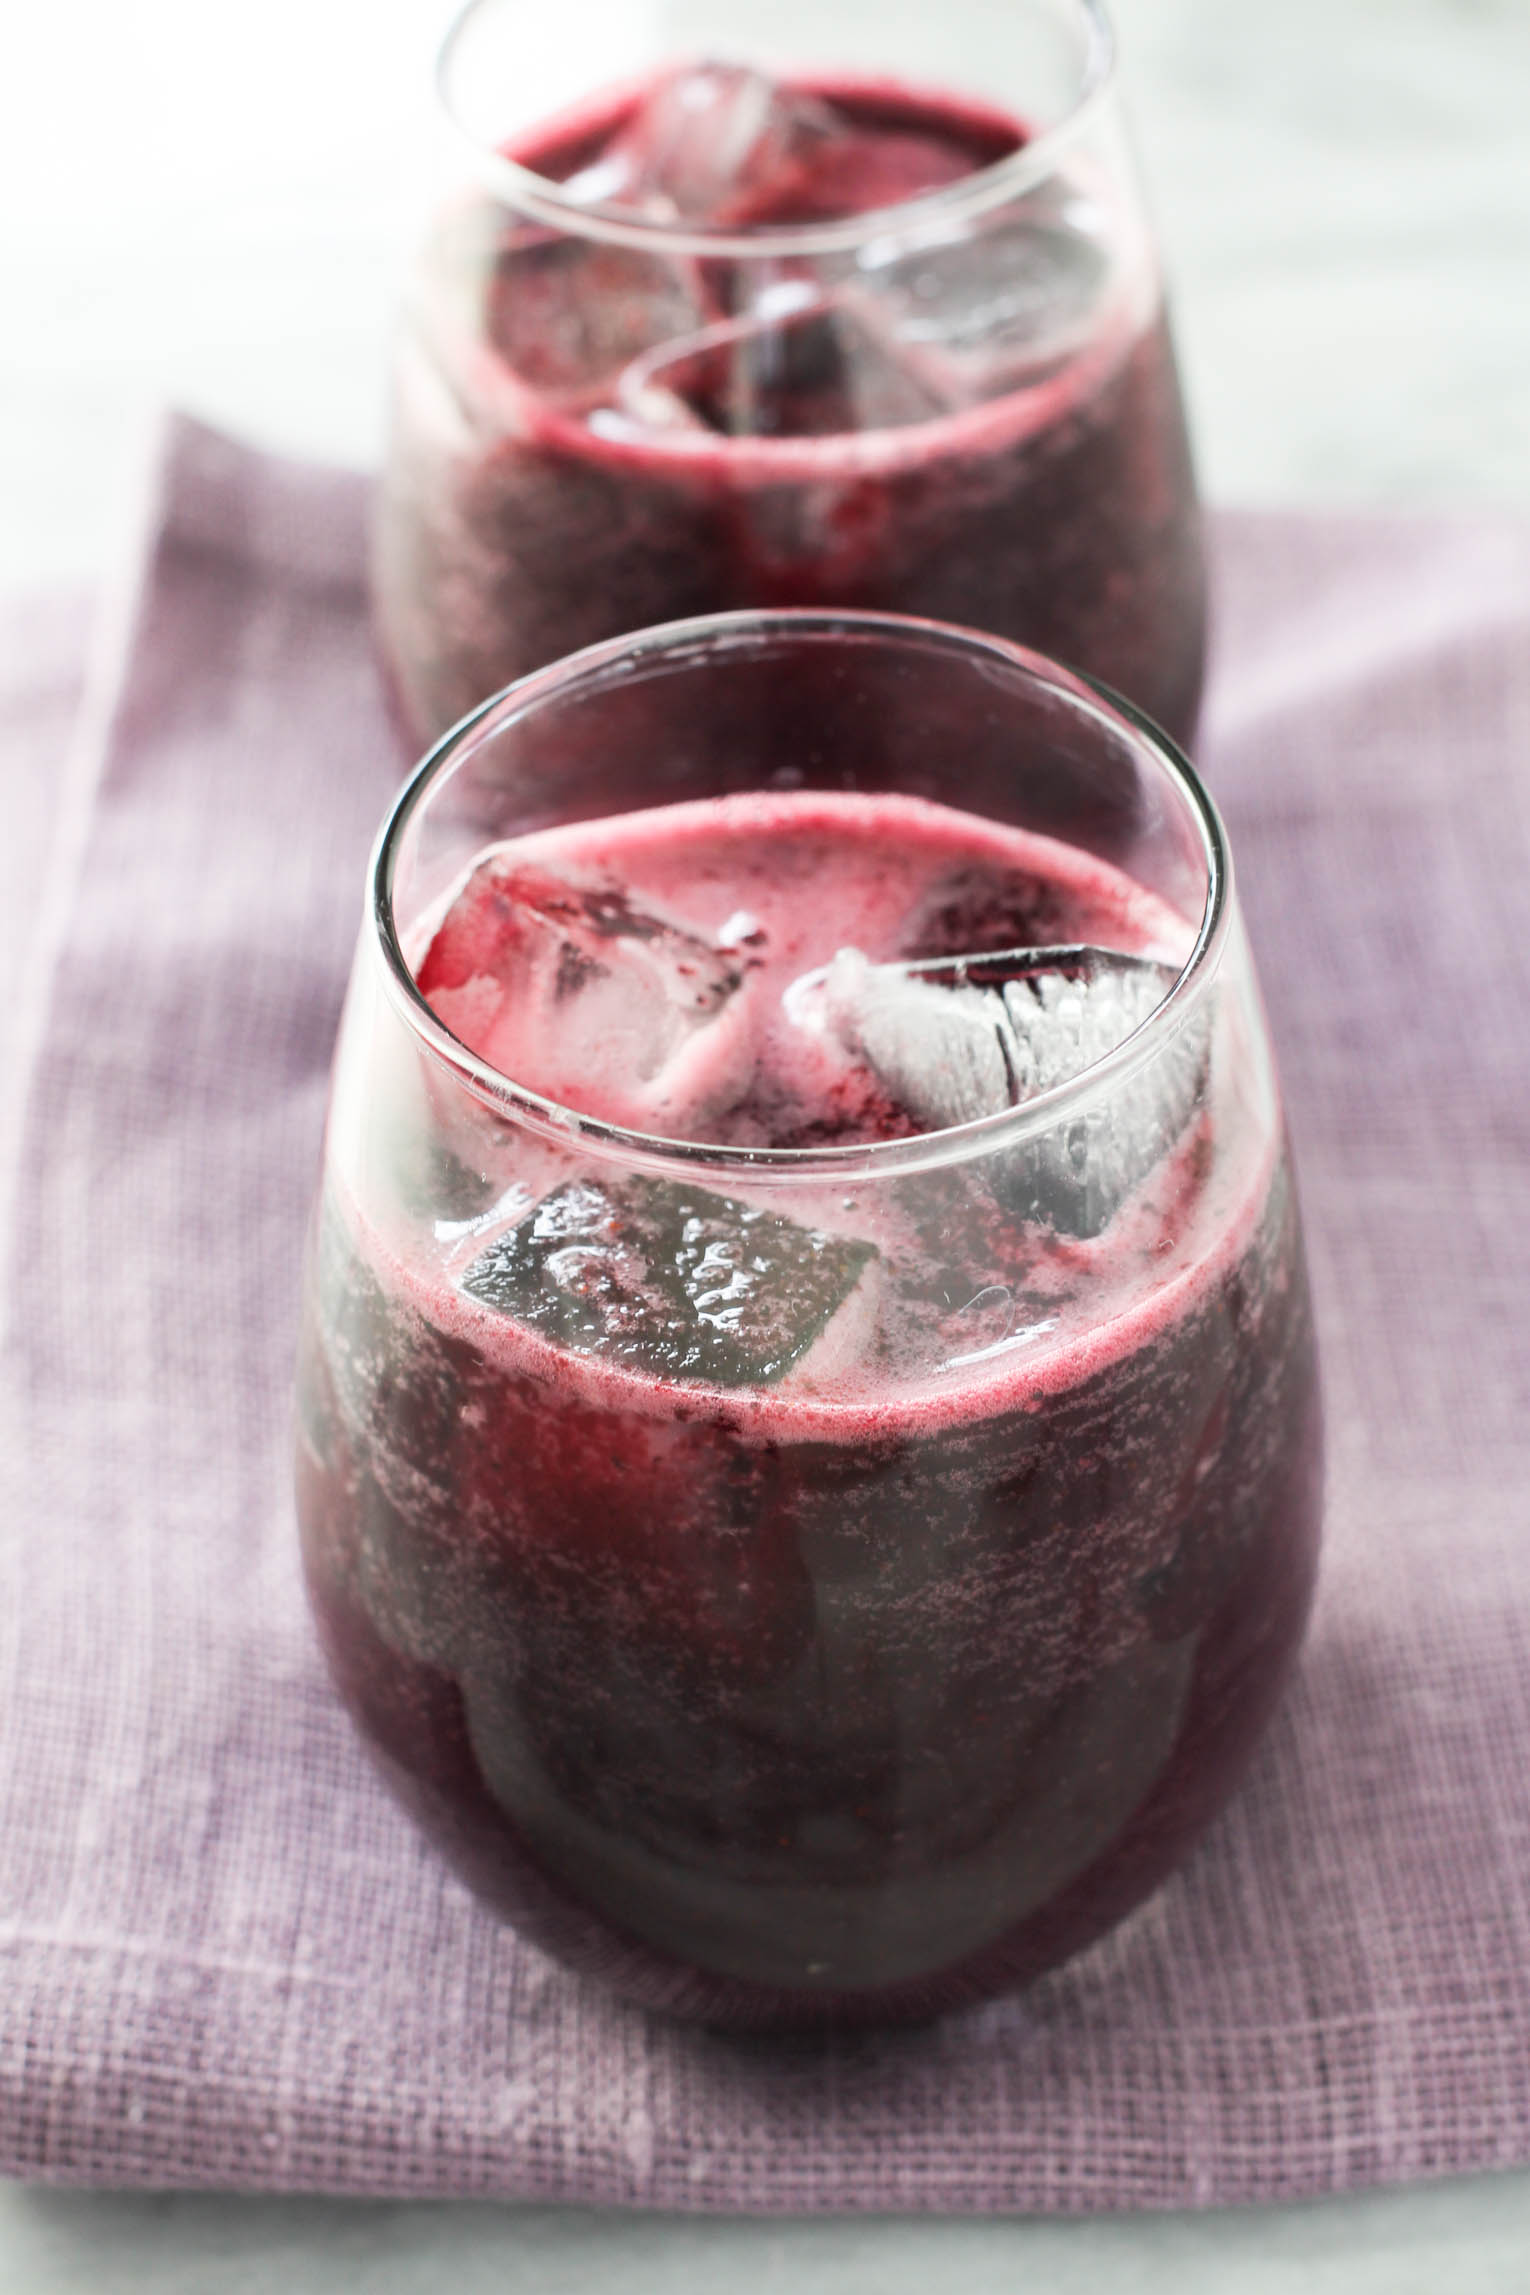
x,y
226,1959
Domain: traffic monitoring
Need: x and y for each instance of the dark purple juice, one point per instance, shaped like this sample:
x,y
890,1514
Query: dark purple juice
x,y
985,429
813,1605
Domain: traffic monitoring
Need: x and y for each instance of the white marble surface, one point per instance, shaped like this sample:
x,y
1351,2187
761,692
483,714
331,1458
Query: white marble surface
x,y
208,206
1469,2238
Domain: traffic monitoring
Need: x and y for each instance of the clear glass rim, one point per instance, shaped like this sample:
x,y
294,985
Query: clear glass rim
x,y
935,212
688,1159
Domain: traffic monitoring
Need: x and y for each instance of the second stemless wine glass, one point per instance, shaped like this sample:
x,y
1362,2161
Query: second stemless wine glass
x,y
747,306
803,1568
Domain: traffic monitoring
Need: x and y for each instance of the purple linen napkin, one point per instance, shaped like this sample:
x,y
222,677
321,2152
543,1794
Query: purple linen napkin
x,y
224,1956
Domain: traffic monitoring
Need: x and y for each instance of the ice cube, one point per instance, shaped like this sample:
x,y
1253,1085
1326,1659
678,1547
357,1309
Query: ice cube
x,y
675,1280
950,1048
809,368
909,341
1002,305
938,1050
568,313
704,144
1063,1021
724,144
1079,1174
574,991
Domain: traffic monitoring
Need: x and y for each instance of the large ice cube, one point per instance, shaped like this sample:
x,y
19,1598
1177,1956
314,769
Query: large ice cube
x,y
981,1034
992,309
705,145
911,340
574,991
674,1280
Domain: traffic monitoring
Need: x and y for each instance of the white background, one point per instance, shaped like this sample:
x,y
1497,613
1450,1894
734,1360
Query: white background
x,y
209,206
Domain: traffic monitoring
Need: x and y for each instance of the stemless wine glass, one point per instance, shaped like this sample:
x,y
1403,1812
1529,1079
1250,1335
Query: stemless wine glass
x,y
826,1581
788,305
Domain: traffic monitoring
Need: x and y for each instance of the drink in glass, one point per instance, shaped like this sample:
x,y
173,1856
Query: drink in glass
x,y
787,307
810,1451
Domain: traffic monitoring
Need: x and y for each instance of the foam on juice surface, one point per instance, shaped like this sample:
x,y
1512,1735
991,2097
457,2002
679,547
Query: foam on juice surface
x,y
785,880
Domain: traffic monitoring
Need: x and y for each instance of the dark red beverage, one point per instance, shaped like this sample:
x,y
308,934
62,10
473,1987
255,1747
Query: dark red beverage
x,y
813,1599
964,406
